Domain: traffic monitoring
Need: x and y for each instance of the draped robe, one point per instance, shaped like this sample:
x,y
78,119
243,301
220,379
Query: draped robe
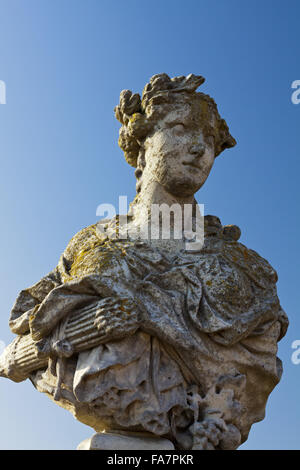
x,y
206,321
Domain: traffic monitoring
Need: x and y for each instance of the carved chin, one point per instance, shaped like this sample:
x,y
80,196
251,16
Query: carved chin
x,y
184,186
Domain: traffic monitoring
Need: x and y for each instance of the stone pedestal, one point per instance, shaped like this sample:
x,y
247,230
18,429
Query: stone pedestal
x,y
132,441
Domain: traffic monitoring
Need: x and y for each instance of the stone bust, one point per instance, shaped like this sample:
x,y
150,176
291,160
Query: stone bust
x,y
153,345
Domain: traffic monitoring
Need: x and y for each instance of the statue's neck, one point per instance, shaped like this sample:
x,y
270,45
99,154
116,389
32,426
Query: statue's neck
x,y
155,194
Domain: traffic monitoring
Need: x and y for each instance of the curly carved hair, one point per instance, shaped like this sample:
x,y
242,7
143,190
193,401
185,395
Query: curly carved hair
x,y
139,116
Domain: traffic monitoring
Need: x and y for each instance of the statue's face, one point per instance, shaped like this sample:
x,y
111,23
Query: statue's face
x,y
176,154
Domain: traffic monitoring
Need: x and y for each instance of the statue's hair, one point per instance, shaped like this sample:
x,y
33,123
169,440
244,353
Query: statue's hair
x,y
139,116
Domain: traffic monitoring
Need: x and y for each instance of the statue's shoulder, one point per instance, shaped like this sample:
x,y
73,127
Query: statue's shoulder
x,y
89,250
248,260
262,276
81,240
251,263
226,240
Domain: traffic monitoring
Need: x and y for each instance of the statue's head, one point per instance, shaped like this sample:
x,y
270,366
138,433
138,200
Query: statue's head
x,y
173,134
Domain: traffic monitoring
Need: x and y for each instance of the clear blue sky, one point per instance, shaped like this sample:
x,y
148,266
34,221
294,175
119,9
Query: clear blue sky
x,y
64,63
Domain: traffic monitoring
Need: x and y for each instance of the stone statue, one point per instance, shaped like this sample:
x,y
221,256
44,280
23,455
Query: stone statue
x,y
153,345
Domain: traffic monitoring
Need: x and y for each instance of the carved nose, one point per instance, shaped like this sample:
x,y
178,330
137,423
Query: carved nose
x,y
197,149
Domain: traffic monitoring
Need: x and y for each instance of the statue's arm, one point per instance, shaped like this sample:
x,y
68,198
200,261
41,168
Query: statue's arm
x,y
29,299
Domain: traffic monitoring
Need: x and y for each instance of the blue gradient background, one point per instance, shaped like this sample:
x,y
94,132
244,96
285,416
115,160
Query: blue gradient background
x,y
64,63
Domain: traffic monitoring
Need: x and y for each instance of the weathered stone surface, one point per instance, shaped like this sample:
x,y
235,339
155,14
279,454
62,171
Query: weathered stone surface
x,y
151,334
